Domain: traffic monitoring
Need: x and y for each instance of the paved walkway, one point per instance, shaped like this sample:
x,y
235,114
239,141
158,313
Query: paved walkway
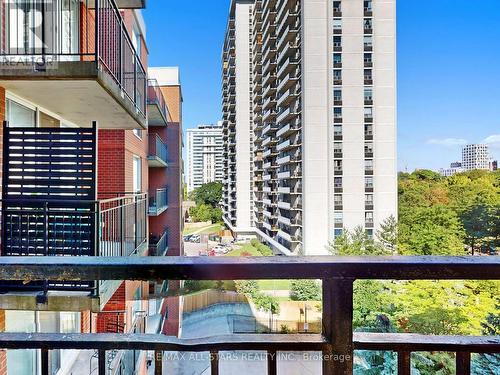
x,y
233,362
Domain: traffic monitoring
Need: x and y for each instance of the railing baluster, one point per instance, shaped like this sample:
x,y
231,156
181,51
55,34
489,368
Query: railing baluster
x,y
101,357
463,363
272,363
158,362
45,361
404,362
337,326
214,362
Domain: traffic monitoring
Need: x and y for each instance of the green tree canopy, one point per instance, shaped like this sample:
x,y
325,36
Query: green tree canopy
x,y
210,194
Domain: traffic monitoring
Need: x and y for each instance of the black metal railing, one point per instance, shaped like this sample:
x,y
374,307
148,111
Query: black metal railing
x,y
49,203
158,201
155,97
337,340
47,32
157,149
110,227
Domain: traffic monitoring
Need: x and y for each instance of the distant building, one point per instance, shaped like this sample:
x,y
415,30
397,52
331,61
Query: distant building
x,y
455,167
204,153
475,156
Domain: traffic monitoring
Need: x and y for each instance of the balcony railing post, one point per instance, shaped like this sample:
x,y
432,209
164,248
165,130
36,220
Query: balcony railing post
x,y
122,215
44,362
404,363
46,228
463,363
214,362
337,326
136,223
158,362
96,31
135,79
120,74
272,362
101,358
97,223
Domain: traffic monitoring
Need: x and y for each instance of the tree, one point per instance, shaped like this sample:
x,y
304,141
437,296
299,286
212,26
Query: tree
x,y
305,290
475,220
356,242
432,230
202,212
426,174
216,215
209,194
387,235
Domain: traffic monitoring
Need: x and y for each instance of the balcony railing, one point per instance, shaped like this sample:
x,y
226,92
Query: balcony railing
x,y
158,246
337,341
109,227
158,114
49,203
158,152
158,202
63,31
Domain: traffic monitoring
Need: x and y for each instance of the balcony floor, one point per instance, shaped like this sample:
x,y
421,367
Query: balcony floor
x,y
77,92
56,301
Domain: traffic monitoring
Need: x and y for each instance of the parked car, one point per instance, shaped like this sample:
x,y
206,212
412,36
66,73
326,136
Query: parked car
x,y
220,249
187,238
195,238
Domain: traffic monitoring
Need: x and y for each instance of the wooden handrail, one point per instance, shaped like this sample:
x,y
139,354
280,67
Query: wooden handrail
x,y
295,342
242,268
337,341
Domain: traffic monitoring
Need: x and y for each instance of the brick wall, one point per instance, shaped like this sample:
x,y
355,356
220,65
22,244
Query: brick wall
x,y
3,353
85,321
116,151
105,321
173,135
138,147
111,161
87,32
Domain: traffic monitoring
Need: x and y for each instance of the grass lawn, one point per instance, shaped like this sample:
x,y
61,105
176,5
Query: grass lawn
x,y
212,228
246,248
274,284
264,284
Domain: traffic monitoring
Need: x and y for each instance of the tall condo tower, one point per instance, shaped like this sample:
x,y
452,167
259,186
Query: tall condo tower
x,y
323,118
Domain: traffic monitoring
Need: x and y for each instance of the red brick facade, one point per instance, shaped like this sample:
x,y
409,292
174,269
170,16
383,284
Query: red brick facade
x,y
116,151
110,322
85,322
170,177
3,353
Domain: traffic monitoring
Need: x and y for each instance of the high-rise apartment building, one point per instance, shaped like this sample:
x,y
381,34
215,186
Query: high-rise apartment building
x,y
475,156
237,120
204,155
323,118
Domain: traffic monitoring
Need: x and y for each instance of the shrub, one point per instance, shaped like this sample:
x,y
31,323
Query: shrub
x,y
247,287
305,290
266,303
